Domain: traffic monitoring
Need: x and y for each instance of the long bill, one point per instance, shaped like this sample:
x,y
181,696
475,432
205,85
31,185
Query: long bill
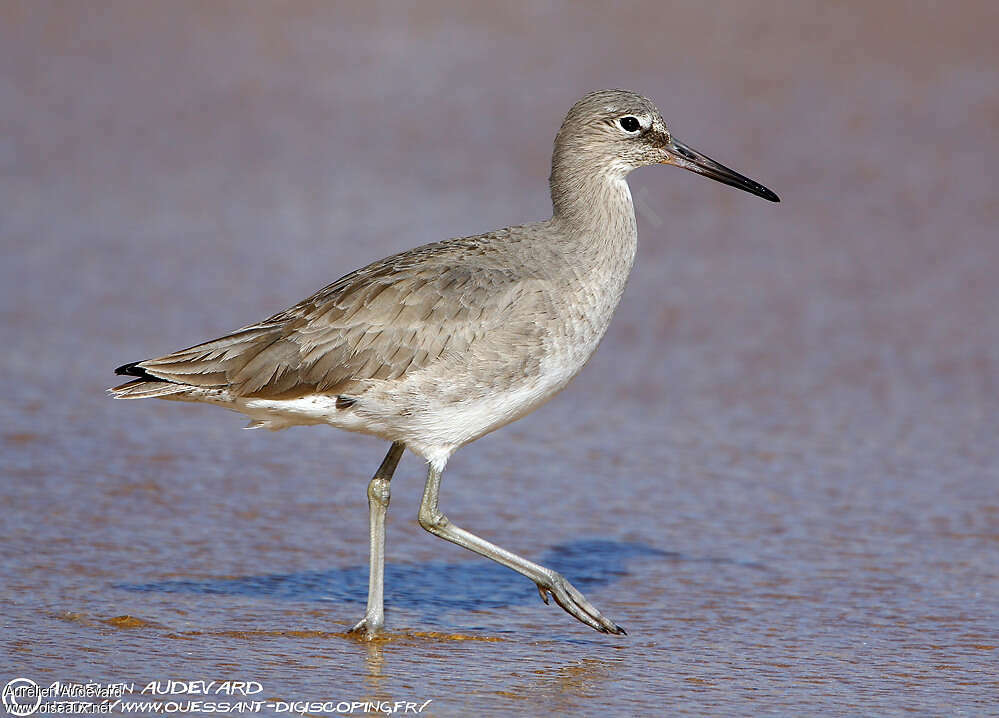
x,y
681,155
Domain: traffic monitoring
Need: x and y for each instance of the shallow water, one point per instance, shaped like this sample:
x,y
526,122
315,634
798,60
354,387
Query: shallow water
x,y
779,473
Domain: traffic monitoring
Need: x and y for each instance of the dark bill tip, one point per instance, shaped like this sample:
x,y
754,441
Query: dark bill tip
x,y
691,159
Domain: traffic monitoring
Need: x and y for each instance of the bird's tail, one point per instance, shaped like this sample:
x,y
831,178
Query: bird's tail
x,y
147,389
144,385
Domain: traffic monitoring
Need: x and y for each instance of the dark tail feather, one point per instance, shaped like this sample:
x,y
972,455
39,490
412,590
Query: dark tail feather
x,y
133,369
144,384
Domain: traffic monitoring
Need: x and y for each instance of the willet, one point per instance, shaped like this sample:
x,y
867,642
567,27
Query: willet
x,y
436,346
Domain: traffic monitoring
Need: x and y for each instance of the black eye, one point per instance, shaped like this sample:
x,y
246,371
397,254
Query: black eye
x,y
630,124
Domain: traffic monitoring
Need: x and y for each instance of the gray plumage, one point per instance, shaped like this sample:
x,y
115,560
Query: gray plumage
x,y
421,308
436,346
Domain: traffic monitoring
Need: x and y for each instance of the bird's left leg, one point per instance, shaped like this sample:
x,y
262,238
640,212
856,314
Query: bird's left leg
x,y
378,502
549,582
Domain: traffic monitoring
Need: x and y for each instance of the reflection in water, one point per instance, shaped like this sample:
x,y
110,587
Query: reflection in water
x,y
563,685
374,663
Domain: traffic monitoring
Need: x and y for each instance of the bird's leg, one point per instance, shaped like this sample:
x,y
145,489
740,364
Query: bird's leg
x,y
378,501
548,581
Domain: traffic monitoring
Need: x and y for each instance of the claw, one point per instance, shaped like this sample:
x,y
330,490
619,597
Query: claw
x,y
364,627
544,593
575,604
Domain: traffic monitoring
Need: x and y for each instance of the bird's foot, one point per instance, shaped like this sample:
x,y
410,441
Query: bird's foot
x,y
575,604
369,626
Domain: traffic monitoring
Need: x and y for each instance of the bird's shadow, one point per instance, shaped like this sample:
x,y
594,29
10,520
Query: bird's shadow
x,y
435,586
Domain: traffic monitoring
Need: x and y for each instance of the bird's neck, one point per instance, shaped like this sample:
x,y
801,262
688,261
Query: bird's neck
x,y
595,209
594,219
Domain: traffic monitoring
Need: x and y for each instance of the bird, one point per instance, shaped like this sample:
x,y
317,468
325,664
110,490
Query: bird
x,y
437,346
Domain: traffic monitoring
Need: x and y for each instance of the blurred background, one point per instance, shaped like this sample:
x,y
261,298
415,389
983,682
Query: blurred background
x,y
779,472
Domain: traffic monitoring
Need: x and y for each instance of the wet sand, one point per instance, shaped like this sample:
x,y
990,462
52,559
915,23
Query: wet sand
x,y
779,473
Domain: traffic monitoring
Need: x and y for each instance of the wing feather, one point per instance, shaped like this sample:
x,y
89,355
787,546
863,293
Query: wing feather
x,y
393,317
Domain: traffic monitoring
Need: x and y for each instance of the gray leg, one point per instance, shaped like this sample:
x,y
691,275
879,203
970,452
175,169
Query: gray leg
x,y
548,581
378,501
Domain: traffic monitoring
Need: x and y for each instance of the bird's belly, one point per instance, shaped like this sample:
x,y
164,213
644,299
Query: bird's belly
x,y
442,413
441,408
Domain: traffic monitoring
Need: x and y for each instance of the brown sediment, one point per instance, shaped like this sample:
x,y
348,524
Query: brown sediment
x,y
404,636
127,621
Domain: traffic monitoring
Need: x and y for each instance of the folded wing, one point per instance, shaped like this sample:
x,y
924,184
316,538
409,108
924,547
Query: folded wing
x,y
380,322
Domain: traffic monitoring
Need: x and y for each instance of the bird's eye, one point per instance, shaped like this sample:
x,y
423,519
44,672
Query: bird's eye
x,y
630,124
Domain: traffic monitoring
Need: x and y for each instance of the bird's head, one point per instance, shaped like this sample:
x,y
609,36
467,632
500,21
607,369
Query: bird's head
x,y
622,130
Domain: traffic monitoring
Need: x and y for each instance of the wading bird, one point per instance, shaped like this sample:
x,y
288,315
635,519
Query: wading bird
x,y
437,346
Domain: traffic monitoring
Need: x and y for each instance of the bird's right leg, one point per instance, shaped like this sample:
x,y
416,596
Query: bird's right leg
x,y
549,582
378,501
